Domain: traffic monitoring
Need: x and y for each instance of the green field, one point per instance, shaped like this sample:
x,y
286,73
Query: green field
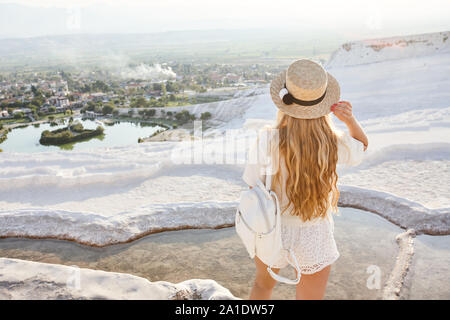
x,y
75,52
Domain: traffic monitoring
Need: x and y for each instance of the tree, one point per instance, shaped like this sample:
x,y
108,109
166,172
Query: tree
x,y
90,106
37,101
100,86
18,115
183,116
86,88
140,102
150,112
107,109
172,87
98,108
52,109
115,112
205,115
156,86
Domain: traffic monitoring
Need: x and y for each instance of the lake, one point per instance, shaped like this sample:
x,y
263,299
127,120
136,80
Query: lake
x,y
26,139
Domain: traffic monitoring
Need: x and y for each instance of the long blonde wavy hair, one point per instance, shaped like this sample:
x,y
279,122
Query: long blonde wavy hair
x,y
308,148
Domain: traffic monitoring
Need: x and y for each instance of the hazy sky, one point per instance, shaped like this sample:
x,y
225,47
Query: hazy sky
x,y
380,17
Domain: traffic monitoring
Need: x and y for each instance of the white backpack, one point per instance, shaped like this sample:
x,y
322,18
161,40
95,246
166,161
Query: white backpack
x,y
258,224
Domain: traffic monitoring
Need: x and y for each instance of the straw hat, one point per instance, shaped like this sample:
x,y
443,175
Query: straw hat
x,y
305,90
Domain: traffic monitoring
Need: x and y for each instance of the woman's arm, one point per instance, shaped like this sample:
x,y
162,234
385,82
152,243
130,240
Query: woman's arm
x,y
343,111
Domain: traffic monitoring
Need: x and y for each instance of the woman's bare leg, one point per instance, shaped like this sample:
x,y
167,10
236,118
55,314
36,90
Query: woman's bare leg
x,y
264,283
312,286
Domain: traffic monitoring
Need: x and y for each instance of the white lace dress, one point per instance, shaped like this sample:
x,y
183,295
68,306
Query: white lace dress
x,y
312,241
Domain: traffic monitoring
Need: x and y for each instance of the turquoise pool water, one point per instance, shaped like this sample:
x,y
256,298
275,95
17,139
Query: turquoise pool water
x,y
26,139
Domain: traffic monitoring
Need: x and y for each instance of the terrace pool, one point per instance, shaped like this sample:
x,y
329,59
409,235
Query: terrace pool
x,y
119,133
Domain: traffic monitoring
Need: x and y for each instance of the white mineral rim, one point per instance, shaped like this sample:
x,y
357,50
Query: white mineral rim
x,y
393,287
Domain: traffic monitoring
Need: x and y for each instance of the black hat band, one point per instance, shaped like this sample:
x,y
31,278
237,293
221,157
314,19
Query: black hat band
x,y
289,99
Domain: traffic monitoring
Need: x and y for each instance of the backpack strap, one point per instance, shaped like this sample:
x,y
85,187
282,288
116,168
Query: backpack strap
x,y
268,182
285,279
291,252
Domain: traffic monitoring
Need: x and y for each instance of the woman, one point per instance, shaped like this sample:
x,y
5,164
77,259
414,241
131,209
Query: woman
x,y
303,161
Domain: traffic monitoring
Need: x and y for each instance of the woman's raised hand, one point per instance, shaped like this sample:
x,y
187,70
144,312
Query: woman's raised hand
x,y
343,111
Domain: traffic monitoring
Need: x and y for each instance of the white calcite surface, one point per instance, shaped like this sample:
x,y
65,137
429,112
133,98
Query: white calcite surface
x,y
392,48
19,278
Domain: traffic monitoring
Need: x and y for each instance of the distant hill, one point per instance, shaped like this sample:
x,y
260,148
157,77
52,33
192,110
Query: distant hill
x,y
236,46
376,50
